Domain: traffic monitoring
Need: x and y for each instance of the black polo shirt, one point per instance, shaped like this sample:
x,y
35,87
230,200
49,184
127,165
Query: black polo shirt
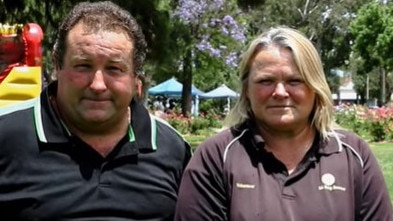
x,y
232,177
46,173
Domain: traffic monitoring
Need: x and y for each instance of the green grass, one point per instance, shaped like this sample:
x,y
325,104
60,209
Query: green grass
x,y
384,154
194,140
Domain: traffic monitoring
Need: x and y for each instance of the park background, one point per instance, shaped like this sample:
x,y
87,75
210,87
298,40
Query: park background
x,y
199,43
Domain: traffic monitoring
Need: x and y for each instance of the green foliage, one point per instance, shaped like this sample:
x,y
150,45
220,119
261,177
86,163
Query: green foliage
x,y
195,124
172,43
380,123
179,122
324,22
368,27
348,118
373,40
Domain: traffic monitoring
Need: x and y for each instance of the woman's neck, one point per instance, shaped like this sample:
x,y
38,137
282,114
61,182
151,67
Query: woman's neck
x,y
289,148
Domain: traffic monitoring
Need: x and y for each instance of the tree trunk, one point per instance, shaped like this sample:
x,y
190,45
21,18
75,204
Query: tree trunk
x,y
187,82
383,87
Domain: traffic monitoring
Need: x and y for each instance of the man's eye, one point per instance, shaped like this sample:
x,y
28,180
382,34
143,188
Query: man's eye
x,y
114,68
82,66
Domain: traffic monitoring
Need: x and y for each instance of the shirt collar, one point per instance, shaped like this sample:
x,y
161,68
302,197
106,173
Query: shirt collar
x,y
323,147
51,130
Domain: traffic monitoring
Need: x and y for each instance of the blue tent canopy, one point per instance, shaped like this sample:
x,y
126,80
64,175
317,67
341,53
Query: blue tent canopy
x,y
221,92
172,87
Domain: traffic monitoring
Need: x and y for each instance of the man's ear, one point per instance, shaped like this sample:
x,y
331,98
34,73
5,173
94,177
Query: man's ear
x,y
55,60
56,64
139,88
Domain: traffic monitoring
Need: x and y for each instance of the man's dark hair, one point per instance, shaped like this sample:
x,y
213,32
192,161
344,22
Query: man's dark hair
x,y
106,16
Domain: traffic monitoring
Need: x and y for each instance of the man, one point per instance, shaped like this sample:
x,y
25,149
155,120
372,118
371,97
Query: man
x,y
86,148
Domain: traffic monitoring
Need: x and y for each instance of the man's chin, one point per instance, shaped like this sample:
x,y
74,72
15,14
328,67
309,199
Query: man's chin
x,y
94,117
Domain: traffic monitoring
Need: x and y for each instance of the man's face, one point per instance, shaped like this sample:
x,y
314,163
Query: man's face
x,y
96,82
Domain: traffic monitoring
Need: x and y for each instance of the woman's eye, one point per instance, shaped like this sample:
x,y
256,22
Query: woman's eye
x,y
295,82
265,81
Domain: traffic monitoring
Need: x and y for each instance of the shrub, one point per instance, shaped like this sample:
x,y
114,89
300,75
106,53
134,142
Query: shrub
x,y
351,118
194,124
380,123
197,124
377,124
179,122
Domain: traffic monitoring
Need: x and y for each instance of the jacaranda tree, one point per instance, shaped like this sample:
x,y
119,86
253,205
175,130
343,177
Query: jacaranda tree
x,y
213,31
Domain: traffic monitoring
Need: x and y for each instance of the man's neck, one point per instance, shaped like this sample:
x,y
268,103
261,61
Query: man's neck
x,y
103,137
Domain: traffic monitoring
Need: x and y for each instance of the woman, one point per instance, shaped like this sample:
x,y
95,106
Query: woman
x,y
281,157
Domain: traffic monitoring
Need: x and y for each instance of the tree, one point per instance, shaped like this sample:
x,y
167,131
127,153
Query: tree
x,y
152,15
373,39
325,22
211,34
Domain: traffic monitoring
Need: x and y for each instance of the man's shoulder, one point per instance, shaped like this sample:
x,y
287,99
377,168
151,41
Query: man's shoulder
x,y
167,131
13,110
16,112
15,121
165,127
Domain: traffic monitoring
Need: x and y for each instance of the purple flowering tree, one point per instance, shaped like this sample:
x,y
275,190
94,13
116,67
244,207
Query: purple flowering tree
x,y
215,32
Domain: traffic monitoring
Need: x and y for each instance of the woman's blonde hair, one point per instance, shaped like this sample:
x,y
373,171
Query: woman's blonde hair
x,y
309,64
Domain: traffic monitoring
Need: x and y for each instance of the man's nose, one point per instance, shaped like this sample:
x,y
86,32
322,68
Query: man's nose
x,y
98,82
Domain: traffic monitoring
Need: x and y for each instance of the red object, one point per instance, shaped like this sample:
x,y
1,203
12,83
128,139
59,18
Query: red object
x,y
33,35
20,48
11,49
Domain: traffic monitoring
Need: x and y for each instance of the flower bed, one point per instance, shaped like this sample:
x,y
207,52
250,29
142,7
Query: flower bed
x,y
373,124
194,124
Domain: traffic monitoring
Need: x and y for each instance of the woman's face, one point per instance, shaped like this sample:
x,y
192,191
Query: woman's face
x,y
278,95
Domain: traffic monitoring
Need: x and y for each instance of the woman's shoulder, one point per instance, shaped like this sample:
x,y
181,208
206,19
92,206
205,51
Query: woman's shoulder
x,y
348,137
221,140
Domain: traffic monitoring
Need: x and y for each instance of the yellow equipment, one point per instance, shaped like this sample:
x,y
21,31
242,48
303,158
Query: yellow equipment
x,y
20,62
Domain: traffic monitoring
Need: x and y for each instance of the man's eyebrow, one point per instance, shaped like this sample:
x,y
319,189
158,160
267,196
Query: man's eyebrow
x,y
79,57
116,60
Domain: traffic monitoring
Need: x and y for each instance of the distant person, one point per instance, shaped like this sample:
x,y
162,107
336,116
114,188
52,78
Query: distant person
x,y
282,158
86,148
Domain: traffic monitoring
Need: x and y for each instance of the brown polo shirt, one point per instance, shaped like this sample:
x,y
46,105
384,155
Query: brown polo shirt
x,y
232,177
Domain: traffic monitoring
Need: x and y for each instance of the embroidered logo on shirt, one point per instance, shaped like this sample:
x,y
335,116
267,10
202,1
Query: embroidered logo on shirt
x,y
245,186
328,181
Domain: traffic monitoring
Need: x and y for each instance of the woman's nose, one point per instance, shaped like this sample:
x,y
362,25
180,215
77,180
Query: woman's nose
x,y
280,91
